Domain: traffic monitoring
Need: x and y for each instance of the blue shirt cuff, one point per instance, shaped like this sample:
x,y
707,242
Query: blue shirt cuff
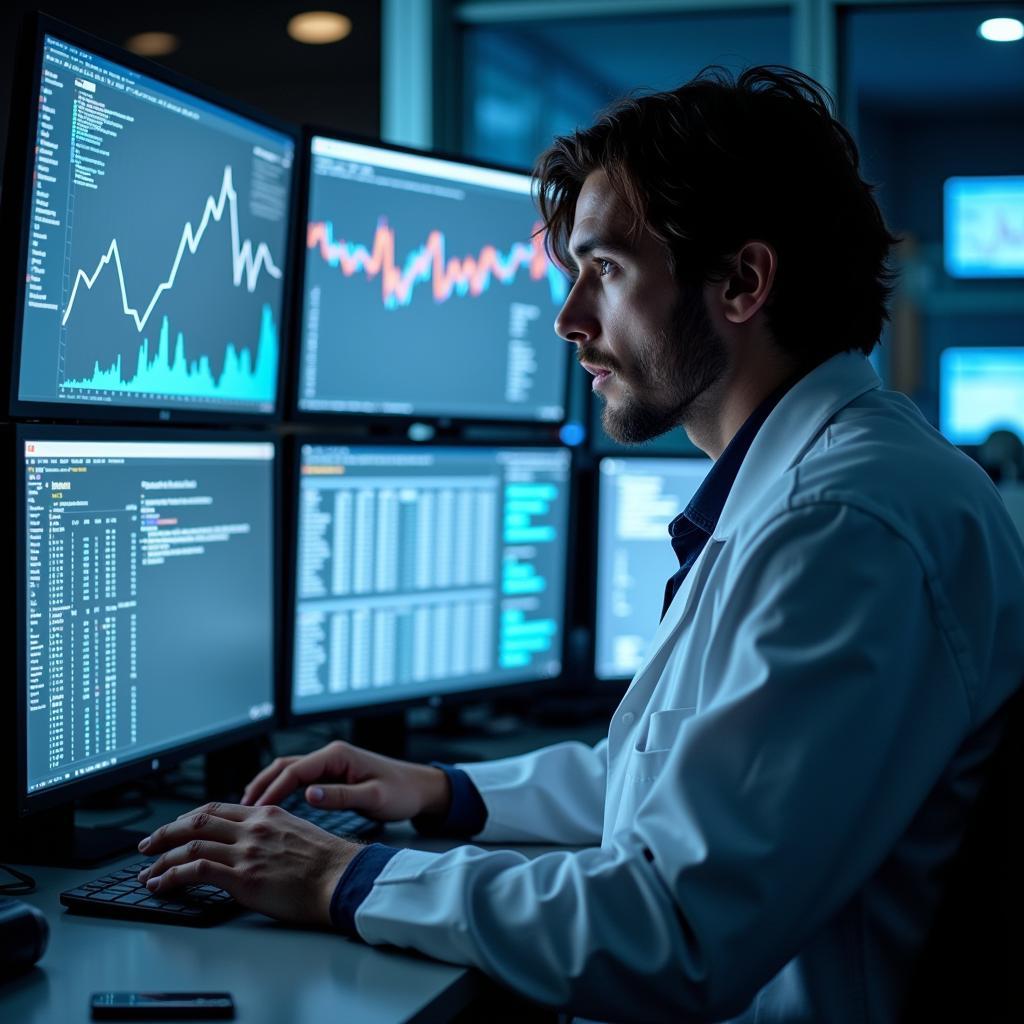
x,y
467,812
355,884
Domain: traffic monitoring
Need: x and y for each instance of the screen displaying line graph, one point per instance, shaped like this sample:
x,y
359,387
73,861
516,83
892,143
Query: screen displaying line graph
x,y
427,290
157,245
984,226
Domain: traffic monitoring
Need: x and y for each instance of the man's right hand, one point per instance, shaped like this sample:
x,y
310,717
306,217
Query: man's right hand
x,y
342,776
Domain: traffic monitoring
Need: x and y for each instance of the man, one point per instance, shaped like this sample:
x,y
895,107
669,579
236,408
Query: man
x,y
792,765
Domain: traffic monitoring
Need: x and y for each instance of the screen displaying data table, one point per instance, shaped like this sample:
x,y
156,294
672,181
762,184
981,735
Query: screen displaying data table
x,y
149,596
424,572
637,499
157,245
427,290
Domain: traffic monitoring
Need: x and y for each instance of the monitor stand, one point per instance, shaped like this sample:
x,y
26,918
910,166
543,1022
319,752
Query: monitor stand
x,y
52,838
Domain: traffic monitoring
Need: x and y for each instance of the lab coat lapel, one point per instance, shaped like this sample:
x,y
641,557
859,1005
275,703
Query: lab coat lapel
x,y
789,431
793,426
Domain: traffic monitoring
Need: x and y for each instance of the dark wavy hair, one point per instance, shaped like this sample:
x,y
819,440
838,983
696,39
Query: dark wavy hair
x,y
721,161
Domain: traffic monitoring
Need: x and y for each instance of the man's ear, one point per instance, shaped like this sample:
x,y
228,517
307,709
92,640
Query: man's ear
x,y
747,288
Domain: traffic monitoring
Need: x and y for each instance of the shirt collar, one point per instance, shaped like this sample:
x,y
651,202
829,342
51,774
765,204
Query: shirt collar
x,y
706,506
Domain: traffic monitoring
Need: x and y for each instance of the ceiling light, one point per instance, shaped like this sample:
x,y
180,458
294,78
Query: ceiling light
x,y
1001,30
153,44
319,27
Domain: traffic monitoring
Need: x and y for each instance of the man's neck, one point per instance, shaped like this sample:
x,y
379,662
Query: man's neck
x,y
715,417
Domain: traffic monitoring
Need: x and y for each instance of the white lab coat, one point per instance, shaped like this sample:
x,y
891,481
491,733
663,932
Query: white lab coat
x,y
777,784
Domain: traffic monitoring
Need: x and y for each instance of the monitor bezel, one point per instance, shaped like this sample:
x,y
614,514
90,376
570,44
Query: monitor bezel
x,y
600,680
26,803
289,717
15,221
311,419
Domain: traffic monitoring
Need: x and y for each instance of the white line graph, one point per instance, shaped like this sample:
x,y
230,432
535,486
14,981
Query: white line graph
x,y
243,260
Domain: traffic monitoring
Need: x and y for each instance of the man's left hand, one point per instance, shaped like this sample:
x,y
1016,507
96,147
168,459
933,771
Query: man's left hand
x,y
268,859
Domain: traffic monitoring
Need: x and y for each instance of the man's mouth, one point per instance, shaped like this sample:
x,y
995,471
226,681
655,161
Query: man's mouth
x,y
599,373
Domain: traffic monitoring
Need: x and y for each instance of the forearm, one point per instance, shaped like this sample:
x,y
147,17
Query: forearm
x,y
561,929
554,795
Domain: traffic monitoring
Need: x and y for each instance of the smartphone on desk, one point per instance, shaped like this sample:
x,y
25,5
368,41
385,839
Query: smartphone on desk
x,y
162,1006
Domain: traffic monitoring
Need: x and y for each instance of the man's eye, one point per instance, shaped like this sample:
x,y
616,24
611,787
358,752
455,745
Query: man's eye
x,y
605,267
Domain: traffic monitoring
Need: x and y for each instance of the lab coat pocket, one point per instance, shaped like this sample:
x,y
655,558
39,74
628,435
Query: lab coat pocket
x,y
662,729
655,743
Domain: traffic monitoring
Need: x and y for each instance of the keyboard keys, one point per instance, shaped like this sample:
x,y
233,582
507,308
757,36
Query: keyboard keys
x,y
120,894
339,823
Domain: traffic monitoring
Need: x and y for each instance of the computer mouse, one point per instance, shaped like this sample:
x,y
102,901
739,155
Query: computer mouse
x,y
24,933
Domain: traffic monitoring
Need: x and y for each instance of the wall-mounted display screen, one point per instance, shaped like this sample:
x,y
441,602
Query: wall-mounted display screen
x,y
984,226
980,390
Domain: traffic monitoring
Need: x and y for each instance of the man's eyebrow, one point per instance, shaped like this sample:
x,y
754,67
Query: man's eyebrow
x,y
608,243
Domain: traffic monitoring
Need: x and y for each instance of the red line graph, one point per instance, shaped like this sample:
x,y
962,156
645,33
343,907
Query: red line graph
x,y
429,263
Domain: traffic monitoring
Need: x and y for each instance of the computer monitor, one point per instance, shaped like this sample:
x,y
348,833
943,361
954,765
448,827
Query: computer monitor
x,y
984,226
424,572
980,390
146,585
152,231
427,290
637,499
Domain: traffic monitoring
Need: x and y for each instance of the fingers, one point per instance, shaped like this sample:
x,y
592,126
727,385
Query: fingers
x,y
200,824
363,796
230,812
207,835
259,784
194,850
332,760
198,865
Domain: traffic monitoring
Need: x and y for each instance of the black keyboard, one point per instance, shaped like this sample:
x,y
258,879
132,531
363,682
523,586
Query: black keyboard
x,y
338,823
120,894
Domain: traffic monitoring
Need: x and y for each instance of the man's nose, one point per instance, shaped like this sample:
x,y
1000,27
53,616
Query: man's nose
x,y
575,322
